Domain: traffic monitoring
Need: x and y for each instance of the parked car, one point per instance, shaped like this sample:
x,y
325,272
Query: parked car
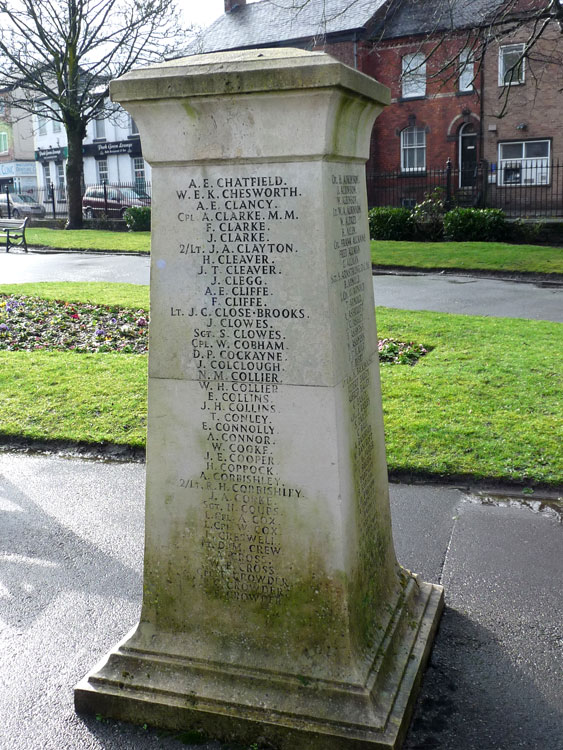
x,y
113,202
21,205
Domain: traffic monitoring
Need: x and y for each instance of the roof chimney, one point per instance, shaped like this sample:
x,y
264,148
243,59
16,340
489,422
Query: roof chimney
x,y
233,5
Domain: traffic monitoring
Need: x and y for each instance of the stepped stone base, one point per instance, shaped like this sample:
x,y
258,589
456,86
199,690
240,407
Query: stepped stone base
x,y
228,702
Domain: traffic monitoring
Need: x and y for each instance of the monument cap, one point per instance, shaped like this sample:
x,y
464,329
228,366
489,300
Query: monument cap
x,y
244,71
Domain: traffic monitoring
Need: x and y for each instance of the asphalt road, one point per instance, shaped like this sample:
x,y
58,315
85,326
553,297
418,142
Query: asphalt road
x,y
442,293
470,296
19,268
71,547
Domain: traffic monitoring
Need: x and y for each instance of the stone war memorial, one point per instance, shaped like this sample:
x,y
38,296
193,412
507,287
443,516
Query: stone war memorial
x,y
274,610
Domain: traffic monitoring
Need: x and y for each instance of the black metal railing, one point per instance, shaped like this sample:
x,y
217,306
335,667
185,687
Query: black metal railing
x,y
522,189
100,200
526,188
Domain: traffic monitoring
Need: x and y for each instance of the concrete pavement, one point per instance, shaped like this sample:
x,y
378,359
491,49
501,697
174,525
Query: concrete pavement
x,y
71,577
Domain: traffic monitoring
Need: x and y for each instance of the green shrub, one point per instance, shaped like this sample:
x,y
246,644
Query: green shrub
x,y
475,225
428,216
527,232
390,224
101,222
138,218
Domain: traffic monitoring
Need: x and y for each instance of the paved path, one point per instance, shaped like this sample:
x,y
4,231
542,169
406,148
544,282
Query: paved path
x,y
443,293
71,536
470,296
18,268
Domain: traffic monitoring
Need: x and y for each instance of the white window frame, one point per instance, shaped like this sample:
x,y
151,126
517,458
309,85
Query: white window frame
x,y
47,177
503,70
524,171
466,70
413,75
100,129
139,179
4,146
102,174
407,148
41,124
60,170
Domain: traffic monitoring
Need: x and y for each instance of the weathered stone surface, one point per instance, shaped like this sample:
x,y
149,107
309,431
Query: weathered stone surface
x,y
273,603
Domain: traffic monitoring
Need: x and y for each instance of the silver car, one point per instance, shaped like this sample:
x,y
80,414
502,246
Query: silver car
x,y
20,205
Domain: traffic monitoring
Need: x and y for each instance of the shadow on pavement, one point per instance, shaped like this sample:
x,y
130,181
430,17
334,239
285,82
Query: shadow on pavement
x,y
40,558
474,698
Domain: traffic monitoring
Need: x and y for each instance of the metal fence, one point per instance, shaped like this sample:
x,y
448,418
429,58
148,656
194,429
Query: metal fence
x,y
525,188
100,200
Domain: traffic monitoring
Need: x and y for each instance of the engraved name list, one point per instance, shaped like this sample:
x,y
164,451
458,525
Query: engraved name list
x,y
243,245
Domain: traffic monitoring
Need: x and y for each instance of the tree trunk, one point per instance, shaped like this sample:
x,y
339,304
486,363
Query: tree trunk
x,y
75,132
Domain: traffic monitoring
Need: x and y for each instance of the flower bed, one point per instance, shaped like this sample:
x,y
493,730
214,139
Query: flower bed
x,y
400,352
32,323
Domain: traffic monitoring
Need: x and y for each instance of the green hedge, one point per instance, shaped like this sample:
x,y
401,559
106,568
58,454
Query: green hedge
x,y
138,218
428,216
475,225
390,224
428,222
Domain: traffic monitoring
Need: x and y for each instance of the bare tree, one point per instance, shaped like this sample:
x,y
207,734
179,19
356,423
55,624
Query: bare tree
x,y
479,25
58,56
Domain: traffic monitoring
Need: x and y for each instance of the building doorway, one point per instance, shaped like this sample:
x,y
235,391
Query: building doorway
x,y
467,155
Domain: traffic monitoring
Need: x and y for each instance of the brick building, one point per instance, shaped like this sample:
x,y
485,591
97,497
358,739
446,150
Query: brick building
x,y
523,111
17,164
447,99
425,56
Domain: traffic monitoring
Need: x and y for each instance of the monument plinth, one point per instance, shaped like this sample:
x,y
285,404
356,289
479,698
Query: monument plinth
x,y
273,603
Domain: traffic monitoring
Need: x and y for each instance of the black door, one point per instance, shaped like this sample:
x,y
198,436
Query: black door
x,y
468,158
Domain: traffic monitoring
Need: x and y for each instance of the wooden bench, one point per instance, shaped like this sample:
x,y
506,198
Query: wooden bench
x,y
12,232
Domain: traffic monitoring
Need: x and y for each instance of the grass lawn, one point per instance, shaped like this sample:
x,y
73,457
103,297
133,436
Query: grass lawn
x,y
484,402
490,256
486,256
90,239
96,292
81,397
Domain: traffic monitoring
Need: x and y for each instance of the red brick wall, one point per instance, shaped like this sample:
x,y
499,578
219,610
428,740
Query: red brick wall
x,y
343,51
441,112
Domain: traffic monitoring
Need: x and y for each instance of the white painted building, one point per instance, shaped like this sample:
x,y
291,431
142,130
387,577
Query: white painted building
x,y
112,153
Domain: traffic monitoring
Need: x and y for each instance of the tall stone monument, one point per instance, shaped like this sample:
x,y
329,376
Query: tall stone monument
x,y
274,608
